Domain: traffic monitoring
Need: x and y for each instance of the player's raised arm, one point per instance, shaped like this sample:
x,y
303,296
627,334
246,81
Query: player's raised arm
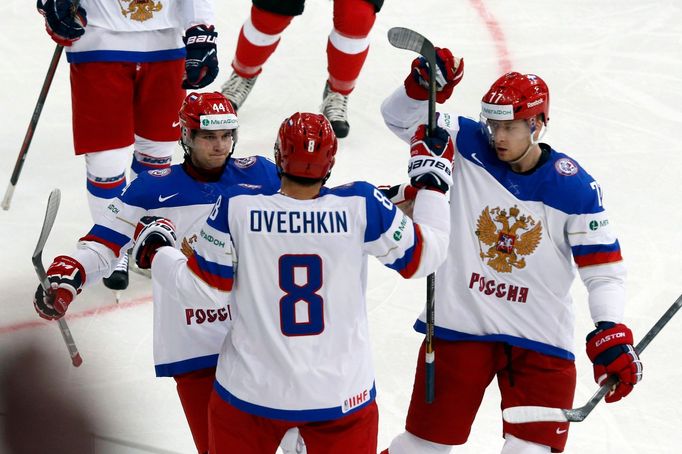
x,y
416,247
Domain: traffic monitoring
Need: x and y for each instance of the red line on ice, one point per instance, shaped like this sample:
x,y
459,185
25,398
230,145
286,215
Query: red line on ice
x,y
84,314
497,34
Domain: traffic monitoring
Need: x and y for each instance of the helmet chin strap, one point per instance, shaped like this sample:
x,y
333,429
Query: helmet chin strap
x,y
533,142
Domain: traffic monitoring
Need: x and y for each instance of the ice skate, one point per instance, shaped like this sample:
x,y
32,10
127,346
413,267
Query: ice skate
x,y
237,88
335,108
118,280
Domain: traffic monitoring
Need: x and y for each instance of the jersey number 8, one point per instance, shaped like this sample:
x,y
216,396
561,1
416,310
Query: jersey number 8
x,y
301,299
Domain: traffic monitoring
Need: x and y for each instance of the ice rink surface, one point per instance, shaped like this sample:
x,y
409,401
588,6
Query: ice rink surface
x,y
614,69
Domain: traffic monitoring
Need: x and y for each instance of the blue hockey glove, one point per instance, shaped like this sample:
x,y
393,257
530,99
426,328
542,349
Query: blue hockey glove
x,y
63,22
201,62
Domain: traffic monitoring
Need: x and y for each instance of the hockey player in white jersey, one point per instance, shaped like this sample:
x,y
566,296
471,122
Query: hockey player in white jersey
x,y
294,263
130,62
185,194
523,217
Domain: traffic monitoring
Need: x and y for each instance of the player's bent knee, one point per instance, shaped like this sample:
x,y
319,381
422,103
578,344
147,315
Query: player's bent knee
x,y
283,7
354,17
406,443
513,445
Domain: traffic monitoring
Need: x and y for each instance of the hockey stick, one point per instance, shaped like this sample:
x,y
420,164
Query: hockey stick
x,y
404,38
524,414
7,199
37,259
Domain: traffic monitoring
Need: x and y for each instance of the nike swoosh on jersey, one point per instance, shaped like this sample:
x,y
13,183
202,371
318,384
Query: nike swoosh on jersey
x,y
473,156
176,124
560,431
163,199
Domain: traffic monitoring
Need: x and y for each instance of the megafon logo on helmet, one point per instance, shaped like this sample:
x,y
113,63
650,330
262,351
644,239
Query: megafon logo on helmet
x,y
217,122
497,112
537,102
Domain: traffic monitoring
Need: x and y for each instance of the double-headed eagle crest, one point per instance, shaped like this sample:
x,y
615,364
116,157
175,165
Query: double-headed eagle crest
x,y
507,242
140,10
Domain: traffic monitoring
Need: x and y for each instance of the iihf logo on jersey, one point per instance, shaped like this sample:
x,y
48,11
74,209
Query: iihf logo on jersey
x,y
510,240
355,401
140,10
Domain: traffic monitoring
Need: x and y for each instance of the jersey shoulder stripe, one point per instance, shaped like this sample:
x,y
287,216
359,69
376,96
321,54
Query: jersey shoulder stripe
x,y
379,211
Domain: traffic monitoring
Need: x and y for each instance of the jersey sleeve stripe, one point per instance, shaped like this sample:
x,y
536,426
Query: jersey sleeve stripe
x,y
586,255
108,237
215,275
408,264
598,258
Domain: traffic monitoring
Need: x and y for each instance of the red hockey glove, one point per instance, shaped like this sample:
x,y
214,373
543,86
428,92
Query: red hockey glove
x,y
201,62
449,72
399,193
64,23
610,349
402,196
430,164
151,233
66,276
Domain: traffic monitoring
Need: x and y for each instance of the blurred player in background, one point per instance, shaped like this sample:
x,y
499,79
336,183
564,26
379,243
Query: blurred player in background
x,y
347,48
305,360
130,64
523,216
40,416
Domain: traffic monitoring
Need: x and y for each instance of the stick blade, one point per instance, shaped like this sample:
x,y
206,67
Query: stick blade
x,y
50,215
530,413
404,38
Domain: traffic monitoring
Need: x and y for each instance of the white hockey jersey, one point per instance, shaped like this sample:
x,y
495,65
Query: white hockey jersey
x,y
137,31
299,348
513,243
187,334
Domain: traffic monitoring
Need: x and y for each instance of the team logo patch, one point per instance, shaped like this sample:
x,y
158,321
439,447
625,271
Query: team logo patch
x,y
506,237
160,172
566,167
140,10
244,163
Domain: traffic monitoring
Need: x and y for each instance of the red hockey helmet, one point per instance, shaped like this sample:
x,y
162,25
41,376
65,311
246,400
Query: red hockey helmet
x,y
306,146
516,96
207,111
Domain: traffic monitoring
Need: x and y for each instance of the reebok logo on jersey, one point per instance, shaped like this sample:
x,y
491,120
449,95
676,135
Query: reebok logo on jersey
x,y
163,199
